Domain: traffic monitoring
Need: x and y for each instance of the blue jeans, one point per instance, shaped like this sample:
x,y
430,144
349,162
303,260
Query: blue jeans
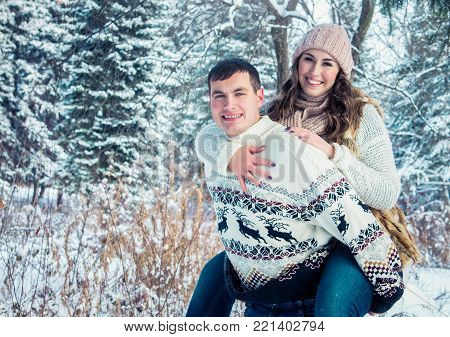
x,y
343,291
304,308
211,298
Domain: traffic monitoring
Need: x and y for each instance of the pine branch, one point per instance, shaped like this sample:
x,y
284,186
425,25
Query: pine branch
x,y
75,49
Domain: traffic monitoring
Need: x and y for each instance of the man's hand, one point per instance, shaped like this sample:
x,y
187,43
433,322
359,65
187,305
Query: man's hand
x,y
245,164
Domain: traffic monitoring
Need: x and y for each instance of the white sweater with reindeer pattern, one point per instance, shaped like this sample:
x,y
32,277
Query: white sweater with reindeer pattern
x,y
286,225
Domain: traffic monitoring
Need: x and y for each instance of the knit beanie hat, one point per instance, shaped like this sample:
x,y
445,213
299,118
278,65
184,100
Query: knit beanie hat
x,y
332,39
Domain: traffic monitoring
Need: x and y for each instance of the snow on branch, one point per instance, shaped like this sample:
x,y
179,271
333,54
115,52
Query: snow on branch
x,y
279,7
426,71
281,10
297,15
403,93
235,5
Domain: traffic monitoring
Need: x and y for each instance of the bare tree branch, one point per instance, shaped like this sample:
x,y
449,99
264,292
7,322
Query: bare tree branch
x,y
280,38
231,14
404,94
368,7
310,18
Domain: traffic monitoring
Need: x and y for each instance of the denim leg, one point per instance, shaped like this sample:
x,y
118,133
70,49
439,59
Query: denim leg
x,y
257,310
308,307
211,298
301,308
343,290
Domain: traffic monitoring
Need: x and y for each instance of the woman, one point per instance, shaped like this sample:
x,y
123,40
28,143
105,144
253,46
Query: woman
x,y
319,105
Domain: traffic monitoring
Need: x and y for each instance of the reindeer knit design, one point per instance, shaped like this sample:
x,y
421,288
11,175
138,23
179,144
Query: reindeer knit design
x,y
286,226
366,159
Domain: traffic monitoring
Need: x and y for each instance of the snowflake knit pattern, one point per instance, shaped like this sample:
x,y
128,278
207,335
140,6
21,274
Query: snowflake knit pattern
x,y
374,166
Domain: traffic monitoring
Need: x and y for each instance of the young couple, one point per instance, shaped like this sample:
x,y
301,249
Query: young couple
x,y
299,238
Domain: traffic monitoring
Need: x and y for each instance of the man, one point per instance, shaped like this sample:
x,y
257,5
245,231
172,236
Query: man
x,y
277,237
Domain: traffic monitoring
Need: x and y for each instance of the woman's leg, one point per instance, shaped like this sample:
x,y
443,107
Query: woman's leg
x,y
343,290
303,308
211,298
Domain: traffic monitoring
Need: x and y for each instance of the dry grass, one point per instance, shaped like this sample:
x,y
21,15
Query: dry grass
x,y
431,230
113,254
106,256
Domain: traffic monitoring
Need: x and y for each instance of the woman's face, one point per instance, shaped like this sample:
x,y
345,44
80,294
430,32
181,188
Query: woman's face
x,y
317,72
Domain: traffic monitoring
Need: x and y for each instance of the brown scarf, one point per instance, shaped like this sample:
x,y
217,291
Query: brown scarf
x,y
309,114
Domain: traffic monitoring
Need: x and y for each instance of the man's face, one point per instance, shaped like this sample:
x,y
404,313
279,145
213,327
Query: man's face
x,y
234,104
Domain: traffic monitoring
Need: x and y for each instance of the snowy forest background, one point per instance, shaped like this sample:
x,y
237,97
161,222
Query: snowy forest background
x,y
102,203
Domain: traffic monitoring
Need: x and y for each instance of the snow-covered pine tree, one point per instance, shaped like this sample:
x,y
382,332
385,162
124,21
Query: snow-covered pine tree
x,y
105,119
7,137
27,96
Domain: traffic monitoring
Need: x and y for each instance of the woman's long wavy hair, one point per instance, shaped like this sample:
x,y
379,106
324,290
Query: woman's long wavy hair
x,y
344,109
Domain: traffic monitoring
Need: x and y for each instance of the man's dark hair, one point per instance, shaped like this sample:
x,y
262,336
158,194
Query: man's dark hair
x,y
227,68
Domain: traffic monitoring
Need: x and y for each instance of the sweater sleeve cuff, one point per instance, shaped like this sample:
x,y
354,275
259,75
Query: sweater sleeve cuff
x,y
338,153
382,304
380,307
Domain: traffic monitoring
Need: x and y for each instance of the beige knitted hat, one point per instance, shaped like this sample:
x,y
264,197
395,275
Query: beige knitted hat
x,y
332,39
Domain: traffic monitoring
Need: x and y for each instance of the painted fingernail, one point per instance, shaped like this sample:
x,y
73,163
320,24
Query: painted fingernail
x,y
273,164
287,129
269,177
291,131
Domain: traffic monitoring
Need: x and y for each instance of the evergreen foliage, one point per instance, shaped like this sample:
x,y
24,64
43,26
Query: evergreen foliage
x,y
105,121
28,94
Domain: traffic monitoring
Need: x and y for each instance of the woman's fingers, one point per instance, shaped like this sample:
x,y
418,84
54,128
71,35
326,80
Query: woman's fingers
x,y
296,131
242,183
256,149
262,173
302,133
313,139
258,161
250,176
245,164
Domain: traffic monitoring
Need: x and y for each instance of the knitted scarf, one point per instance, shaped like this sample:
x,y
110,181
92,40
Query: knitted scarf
x,y
309,115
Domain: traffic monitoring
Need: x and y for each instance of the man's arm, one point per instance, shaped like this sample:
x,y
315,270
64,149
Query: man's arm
x,y
214,149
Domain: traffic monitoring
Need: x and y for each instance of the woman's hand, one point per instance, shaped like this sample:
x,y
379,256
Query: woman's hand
x,y
312,138
245,164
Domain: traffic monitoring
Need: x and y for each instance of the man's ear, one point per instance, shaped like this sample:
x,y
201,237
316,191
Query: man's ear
x,y
209,97
260,96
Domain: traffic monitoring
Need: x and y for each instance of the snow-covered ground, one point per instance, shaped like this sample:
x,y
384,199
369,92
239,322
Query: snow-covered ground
x,y
52,261
427,294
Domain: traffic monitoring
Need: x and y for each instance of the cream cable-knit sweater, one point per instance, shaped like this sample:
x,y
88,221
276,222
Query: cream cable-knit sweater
x,y
285,226
373,173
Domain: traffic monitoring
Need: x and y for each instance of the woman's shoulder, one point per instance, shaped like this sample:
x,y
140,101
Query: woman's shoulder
x,y
372,112
371,107
372,123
